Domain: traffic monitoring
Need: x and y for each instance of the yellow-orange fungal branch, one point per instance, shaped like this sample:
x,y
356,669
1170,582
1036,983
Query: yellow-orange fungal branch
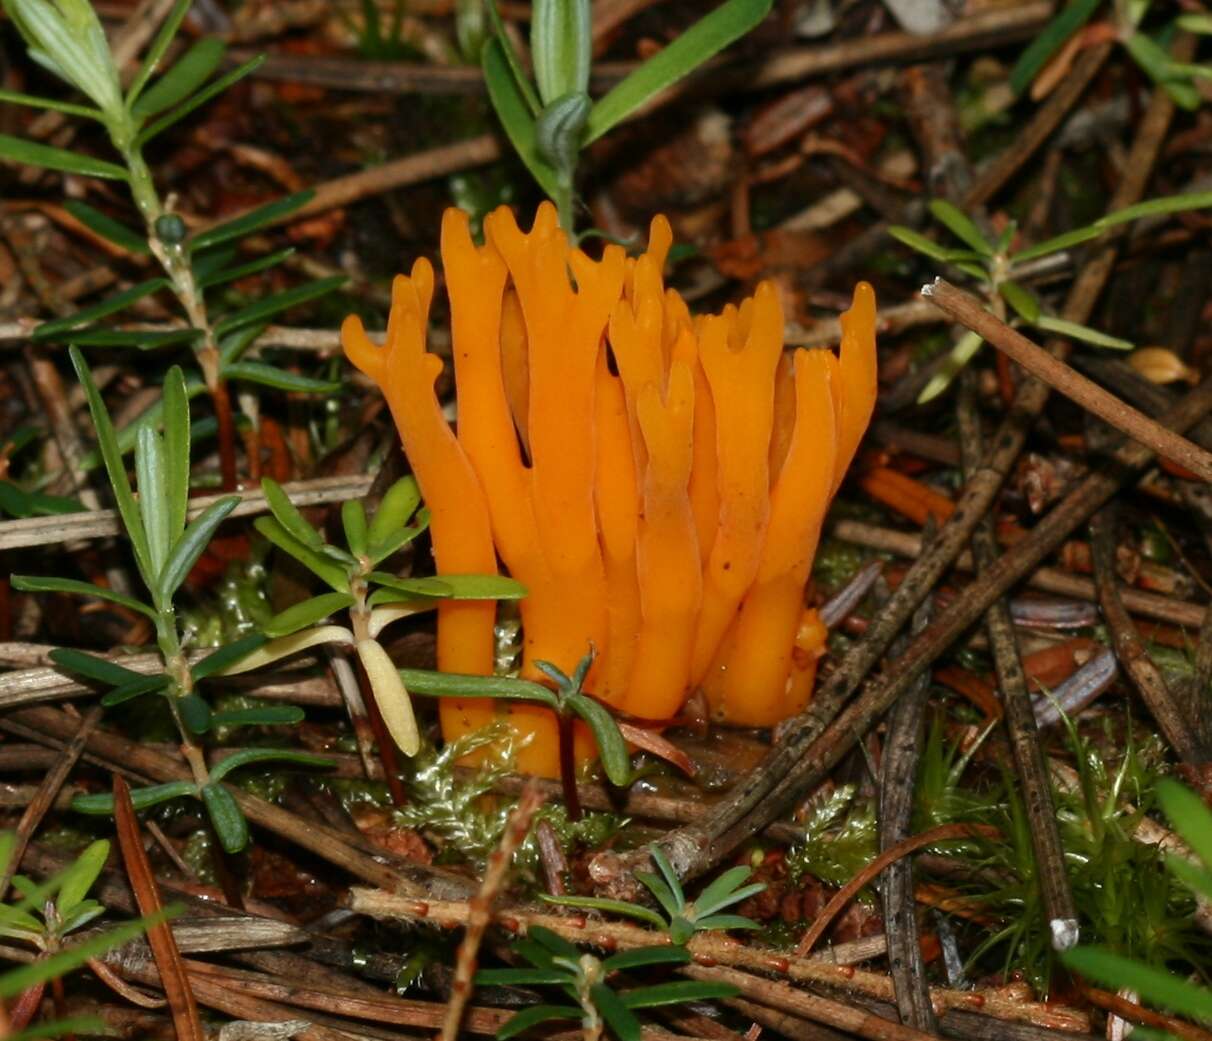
x,y
658,482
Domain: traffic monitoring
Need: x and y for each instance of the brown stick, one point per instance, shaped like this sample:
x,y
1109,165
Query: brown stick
x,y
481,908
1130,649
972,314
1019,713
159,936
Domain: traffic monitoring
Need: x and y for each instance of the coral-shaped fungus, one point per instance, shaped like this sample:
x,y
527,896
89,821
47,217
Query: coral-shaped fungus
x,y
657,481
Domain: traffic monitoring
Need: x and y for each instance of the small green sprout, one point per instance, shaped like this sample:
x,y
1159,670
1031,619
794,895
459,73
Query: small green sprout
x,y
685,918
583,978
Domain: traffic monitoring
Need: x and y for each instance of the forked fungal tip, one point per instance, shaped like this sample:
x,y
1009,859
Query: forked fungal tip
x,y
929,287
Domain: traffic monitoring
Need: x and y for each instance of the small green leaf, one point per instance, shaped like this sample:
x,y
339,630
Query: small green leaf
x,y
641,957
176,451
960,225
1195,23
1081,332
561,35
248,756
139,339
151,60
77,880
669,900
552,941
30,153
153,495
1049,41
398,504
454,685
81,915
660,859
677,992
201,98
288,515
262,716
636,911
618,1017
35,584
378,552
226,656
521,81
135,689
1055,245
1159,67
415,588
727,921
1025,305
108,228
271,305
66,107
317,563
233,345
225,814
962,353
1189,816
718,894
307,612
192,543
279,379
612,749
17,502
141,798
62,328
533,1016
929,247
515,116
195,713
186,76
252,221
91,667
707,37
1159,207
353,520
231,274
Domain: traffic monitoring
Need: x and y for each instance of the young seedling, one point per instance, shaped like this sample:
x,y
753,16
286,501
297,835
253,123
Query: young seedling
x,y
684,918
583,978
43,917
165,549
372,598
997,269
551,119
567,701
66,37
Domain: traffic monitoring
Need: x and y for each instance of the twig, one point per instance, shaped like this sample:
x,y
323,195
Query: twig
x,y
481,908
1050,580
1019,712
899,763
410,169
1039,128
1135,1013
181,1001
972,314
1130,649
92,524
